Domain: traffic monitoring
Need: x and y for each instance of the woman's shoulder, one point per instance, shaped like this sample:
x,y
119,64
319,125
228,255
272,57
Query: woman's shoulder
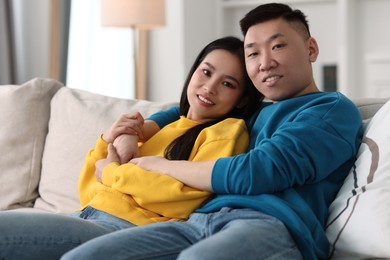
x,y
228,126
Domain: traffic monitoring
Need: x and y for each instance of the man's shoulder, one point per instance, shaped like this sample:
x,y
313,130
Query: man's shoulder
x,y
334,100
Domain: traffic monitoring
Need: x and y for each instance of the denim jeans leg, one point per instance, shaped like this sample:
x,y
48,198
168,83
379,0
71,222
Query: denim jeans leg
x,y
103,219
243,234
43,235
155,241
227,234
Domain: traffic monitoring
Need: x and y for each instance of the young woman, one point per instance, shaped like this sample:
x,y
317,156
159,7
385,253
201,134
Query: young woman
x,y
115,196
215,94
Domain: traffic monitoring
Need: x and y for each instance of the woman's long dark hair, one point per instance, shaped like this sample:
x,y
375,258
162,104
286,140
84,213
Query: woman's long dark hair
x,y
181,147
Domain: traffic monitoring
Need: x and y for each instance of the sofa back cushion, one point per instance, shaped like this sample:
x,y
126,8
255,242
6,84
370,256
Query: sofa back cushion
x,y
76,121
359,221
24,116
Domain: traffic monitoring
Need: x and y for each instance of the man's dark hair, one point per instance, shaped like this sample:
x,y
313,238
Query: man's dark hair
x,y
267,12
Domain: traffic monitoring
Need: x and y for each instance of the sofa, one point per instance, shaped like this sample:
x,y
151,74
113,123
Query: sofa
x,y
47,128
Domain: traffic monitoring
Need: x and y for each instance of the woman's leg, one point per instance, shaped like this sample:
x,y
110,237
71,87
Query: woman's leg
x,y
45,235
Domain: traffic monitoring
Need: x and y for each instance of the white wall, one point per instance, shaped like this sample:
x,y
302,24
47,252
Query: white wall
x,y
190,24
353,34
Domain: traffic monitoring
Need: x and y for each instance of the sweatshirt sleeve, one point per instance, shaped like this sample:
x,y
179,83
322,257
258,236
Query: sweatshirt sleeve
x,y
165,195
87,175
165,117
156,192
302,150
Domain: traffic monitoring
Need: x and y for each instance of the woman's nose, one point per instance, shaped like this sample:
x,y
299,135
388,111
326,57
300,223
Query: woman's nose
x,y
210,87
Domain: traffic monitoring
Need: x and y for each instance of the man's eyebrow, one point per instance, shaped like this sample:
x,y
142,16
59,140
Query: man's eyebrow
x,y
249,45
270,39
275,36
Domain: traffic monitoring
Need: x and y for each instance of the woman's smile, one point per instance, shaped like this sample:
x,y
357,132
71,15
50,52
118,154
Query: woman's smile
x,y
205,100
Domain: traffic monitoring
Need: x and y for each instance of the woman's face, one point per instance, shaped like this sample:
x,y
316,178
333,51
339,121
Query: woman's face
x,y
216,87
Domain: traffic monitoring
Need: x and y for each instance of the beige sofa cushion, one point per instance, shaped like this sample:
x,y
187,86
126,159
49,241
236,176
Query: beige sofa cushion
x,y
24,116
76,121
359,223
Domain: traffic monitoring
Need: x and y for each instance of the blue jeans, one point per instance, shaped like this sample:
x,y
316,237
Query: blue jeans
x,y
49,236
227,234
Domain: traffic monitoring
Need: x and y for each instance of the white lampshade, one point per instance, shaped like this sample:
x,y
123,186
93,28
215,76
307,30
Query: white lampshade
x,y
141,14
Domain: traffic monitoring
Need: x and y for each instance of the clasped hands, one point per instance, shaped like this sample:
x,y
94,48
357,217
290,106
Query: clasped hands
x,y
122,138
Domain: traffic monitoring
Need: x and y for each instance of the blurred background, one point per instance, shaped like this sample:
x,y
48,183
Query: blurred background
x,y
66,40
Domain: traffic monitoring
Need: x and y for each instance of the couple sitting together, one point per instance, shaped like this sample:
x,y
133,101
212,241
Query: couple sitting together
x,y
245,168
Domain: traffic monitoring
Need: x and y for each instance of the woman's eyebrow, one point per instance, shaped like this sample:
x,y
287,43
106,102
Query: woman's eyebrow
x,y
209,64
227,76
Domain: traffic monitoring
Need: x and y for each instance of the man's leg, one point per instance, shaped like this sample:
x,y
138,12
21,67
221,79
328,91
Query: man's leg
x,y
227,234
243,234
155,241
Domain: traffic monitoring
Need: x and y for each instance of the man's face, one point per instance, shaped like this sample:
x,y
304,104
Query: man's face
x,y
278,60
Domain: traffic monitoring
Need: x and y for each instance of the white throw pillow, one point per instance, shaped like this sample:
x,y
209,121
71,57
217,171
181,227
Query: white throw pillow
x,y
24,116
77,119
359,221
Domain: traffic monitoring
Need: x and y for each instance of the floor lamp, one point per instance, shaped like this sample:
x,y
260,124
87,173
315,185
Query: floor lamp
x,y
141,15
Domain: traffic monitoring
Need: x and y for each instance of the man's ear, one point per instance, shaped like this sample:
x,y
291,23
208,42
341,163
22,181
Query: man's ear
x,y
313,49
242,102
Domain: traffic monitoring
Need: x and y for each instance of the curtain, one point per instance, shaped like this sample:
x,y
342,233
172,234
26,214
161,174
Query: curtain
x,y
100,59
59,39
26,39
7,68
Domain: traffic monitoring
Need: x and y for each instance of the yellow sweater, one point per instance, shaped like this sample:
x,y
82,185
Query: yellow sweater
x,y
142,197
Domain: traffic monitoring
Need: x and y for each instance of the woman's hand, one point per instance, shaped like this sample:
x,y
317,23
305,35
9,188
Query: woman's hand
x,y
126,147
130,124
100,164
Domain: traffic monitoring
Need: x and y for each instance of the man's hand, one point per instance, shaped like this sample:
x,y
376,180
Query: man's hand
x,y
152,163
111,157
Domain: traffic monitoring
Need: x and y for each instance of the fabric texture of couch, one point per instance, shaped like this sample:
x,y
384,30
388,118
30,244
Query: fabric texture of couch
x,y
47,128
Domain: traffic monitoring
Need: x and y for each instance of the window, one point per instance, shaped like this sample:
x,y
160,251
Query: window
x,y
101,60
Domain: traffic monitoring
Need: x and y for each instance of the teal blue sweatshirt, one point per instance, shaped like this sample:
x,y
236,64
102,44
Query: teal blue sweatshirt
x,y
300,152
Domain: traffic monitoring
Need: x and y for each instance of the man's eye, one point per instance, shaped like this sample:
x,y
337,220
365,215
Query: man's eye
x,y
253,54
278,46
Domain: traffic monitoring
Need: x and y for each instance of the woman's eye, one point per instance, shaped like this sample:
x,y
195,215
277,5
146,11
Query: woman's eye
x,y
206,72
228,84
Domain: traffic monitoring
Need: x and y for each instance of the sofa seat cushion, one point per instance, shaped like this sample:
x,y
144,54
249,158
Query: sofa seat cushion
x,y
359,221
24,116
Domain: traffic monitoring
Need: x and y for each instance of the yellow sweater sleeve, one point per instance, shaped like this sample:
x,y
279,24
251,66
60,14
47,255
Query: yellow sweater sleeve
x,y
167,196
87,175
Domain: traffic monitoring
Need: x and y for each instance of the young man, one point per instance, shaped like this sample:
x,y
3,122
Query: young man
x,y
272,202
